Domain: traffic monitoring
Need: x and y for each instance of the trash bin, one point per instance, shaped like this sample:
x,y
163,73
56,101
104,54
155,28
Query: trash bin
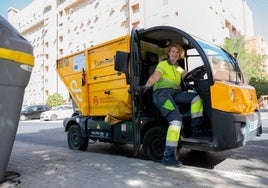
x,y
16,63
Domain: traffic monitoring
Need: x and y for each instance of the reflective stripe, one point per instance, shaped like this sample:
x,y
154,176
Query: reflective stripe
x,y
168,105
198,114
175,123
195,99
170,78
173,133
196,105
180,70
172,144
165,83
17,56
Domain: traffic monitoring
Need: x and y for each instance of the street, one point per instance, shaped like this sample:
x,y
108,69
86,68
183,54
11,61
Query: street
x,y
42,158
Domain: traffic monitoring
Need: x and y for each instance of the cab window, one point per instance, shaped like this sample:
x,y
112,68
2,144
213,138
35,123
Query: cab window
x,y
223,67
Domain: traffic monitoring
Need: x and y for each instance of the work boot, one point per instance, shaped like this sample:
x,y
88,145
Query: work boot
x,y
169,157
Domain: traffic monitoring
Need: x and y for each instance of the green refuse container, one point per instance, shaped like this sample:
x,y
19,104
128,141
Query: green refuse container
x,y
16,63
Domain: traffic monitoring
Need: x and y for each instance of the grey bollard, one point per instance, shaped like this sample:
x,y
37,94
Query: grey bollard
x,y
16,62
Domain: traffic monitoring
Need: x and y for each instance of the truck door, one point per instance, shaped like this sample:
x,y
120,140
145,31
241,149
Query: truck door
x,y
135,65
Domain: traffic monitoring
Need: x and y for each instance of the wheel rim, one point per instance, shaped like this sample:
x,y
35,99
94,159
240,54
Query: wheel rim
x,y
157,147
74,138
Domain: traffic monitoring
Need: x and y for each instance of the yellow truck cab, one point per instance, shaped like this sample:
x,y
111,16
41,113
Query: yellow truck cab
x,y
105,83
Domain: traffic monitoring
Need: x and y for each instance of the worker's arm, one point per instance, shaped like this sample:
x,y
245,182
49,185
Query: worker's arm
x,y
153,78
183,74
182,71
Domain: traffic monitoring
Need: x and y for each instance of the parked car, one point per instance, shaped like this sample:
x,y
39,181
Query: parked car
x,y
58,112
32,111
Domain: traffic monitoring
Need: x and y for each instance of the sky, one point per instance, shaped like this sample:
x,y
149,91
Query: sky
x,y
18,4
259,10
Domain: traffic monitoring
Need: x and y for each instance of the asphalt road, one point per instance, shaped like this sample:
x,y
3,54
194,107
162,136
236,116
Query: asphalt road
x,y
254,153
42,157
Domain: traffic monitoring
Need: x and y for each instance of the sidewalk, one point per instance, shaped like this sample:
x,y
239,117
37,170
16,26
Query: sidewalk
x,y
45,166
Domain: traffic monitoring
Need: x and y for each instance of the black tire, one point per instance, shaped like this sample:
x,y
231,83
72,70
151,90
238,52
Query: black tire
x,y
154,143
75,139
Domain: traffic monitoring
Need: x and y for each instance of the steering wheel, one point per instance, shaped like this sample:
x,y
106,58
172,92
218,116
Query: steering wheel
x,y
190,80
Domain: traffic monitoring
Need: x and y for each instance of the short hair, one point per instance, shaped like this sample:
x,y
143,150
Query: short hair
x,y
180,49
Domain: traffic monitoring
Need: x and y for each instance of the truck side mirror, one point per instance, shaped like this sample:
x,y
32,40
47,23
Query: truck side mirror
x,y
121,61
235,55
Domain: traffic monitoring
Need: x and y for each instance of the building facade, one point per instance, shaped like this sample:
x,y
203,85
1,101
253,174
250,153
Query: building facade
x,y
57,28
257,45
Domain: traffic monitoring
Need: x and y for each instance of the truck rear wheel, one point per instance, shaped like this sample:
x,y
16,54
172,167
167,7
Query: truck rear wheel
x,y
75,139
154,143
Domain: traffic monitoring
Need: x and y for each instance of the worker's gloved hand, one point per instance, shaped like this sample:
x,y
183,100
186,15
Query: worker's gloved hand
x,y
145,88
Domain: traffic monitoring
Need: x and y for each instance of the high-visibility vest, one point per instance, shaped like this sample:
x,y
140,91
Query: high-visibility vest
x,y
171,75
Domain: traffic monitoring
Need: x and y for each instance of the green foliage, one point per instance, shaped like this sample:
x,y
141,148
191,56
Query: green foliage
x,y
252,65
261,86
54,100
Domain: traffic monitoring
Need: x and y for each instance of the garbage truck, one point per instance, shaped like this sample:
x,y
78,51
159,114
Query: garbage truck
x,y
105,84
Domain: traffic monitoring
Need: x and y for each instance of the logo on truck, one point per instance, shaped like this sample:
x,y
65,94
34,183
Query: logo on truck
x,y
95,100
76,90
103,62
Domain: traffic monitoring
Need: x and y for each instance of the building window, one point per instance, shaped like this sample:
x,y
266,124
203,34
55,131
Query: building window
x,y
47,9
61,13
111,12
59,2
135,24
81,25
96,19
88,22
70,11
61,38
135,8
165,2
96,5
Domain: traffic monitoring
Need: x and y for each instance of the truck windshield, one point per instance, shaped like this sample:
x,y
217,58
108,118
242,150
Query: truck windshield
x,y
223,66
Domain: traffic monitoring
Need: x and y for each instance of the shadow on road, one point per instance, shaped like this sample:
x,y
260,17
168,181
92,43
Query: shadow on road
x,y
56,137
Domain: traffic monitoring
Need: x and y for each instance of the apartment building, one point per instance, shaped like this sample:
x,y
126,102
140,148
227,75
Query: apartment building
x,y
257,45
57,28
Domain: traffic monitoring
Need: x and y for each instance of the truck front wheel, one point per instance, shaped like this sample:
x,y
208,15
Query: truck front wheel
x,y
153,143
75,139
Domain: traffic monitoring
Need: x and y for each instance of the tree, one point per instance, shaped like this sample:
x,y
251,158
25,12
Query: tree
x,y
54,100
261,86
252,65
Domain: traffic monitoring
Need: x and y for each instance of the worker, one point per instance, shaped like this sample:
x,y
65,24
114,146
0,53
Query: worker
x,y
167,95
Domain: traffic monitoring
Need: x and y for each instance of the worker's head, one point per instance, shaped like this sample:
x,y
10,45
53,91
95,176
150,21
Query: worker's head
x,y
175,52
